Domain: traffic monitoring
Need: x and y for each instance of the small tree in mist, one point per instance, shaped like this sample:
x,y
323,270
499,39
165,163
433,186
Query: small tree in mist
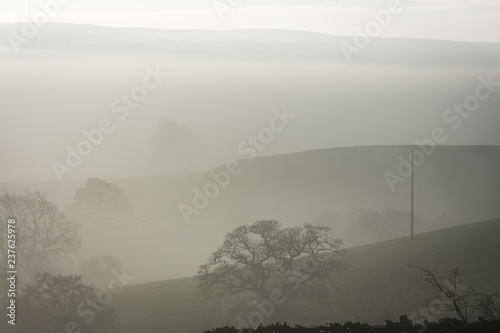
x,y
61,303
43,232
100,200
257,261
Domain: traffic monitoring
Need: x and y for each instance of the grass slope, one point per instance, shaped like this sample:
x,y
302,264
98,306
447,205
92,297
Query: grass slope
x,y
376,285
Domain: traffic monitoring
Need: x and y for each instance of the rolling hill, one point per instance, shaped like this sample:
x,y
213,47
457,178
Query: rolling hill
x,y
223,86
456,185
376,286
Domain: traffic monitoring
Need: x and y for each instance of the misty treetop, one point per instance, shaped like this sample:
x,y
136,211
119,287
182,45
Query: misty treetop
x,y
100,200
261,260
45,232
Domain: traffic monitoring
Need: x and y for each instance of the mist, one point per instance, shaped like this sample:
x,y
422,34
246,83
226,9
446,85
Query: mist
x,y
153,147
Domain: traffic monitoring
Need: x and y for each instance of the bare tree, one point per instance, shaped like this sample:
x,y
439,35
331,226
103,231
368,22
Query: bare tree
x,y
463,300
99,200
460,297
43,232
487,304
56,303
257,260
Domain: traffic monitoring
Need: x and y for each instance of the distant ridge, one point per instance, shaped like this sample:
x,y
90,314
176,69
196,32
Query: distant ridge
x,y
255,45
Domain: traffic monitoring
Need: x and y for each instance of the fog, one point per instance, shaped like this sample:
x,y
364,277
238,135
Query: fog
x,y
219,102
232,127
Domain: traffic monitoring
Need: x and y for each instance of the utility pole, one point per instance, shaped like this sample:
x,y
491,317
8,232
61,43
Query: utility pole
x,y
412,196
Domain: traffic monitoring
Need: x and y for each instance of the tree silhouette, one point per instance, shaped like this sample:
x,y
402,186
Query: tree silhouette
x,y
259,261
43,232
464,300
61,304
174,145
100,200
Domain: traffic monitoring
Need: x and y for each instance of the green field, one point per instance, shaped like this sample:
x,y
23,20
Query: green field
x,y
377,285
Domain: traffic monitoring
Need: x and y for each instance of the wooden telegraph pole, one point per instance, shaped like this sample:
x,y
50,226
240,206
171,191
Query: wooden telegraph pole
x,y
412,196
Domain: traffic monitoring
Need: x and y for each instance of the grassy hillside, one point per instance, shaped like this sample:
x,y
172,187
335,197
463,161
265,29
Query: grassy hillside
x,y
376,285
456,185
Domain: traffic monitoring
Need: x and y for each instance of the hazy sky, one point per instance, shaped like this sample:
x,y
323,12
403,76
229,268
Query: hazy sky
x,y
471,20
212,119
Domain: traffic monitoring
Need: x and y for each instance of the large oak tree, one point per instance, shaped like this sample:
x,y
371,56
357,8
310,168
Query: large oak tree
x,y
256,262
